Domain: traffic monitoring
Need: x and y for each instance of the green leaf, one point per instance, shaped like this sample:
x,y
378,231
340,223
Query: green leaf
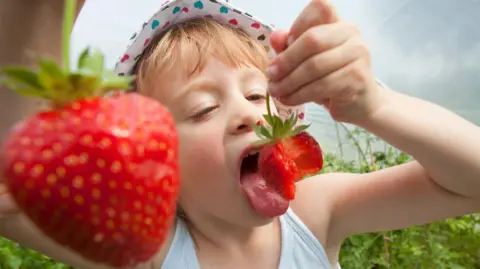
x,y
265,132
31,93
23,76
92,60
258,131
24,89
51,76
14,262
268,119
294,119
289,124
262,132
111,81
83,85
260,142
282,129
50,68
277,122
300,129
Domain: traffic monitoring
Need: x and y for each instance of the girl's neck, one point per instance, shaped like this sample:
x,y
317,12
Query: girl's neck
x,y
233,239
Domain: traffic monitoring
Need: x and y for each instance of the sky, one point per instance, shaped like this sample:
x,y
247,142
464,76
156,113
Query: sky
x,y
425,48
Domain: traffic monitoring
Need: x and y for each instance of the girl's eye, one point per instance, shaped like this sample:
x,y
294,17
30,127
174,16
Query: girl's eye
x,y
256,97
203,113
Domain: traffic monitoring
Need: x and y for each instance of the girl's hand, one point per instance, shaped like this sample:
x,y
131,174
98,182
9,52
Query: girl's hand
x,y
326,62
7,205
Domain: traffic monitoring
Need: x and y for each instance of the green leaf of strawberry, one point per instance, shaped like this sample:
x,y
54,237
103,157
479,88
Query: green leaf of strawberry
x,y
288,153
91,60
23,76
97,174
49,69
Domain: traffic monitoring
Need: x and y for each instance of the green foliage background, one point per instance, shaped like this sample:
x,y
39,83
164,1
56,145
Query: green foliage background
x,y
449,244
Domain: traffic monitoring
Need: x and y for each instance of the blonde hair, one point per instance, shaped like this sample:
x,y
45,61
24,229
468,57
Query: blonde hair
x,y
192,43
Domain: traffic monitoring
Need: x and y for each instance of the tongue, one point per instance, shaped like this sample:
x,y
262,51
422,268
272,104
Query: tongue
x,y
265,200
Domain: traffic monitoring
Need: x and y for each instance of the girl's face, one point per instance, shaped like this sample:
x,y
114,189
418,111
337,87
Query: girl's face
x,y
214,112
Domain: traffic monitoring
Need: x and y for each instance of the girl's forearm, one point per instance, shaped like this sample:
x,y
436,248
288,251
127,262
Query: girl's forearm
x,y
446,145
27,27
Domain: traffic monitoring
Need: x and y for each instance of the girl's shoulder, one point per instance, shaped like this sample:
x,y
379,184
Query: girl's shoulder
x,y
314,204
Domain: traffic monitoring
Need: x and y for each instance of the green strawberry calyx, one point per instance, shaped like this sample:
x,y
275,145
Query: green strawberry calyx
x,y
276,129
60,85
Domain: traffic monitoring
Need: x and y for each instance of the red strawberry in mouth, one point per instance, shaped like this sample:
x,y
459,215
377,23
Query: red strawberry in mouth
x,y
303,150
266,198
286,155
97,174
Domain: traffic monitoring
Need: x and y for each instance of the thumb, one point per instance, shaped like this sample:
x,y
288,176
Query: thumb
x,y
278,40
318,12
7,205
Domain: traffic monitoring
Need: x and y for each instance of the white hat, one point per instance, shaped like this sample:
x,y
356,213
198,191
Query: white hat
x,y
176,11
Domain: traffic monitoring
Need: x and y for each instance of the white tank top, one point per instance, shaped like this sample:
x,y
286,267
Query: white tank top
x,y
300,248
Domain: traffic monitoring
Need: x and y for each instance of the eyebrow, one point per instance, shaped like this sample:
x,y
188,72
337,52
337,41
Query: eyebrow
x,y
252,73
197,85
203,84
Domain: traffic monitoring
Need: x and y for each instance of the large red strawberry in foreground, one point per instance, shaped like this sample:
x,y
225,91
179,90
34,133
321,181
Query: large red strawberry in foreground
x,y
288,153
97,174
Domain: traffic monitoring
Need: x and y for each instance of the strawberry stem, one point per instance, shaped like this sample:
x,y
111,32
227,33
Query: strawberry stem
x,y
68,21
268,105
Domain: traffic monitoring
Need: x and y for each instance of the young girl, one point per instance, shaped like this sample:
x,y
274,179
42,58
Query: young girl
x,y
193,57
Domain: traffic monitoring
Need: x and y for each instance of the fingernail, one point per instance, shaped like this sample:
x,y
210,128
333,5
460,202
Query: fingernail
x,y
290,40
272,71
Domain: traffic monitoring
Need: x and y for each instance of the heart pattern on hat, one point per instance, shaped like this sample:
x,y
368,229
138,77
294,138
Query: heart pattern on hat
x,y
176,11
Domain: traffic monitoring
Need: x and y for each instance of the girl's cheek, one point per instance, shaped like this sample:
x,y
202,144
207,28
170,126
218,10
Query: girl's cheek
x,y
200,149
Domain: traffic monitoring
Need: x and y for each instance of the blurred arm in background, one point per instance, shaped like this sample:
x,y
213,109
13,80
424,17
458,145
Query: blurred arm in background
x,y
27,27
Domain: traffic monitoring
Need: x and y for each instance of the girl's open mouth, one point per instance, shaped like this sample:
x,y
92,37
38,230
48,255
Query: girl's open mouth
x,y
263,197
249,163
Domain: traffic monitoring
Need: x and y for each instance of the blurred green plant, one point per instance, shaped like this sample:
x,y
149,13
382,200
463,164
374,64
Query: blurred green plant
x,y
449,244
14,256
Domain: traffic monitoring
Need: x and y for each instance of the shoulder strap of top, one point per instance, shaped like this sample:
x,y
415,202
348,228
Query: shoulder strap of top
x,y
182,250
305,236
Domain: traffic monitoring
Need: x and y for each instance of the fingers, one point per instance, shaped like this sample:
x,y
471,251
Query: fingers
x,y
341,81
7,205
314,68
278,40
318,66
317,12
316,40
324,61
